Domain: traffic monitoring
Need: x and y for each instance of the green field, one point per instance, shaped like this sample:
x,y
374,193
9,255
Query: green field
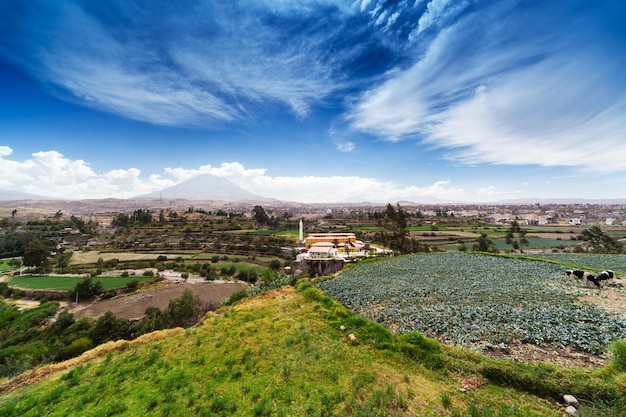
x,y
5,265
68,283
472,298
537,242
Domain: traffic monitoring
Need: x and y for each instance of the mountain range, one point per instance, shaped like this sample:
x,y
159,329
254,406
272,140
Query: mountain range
x,y
209,187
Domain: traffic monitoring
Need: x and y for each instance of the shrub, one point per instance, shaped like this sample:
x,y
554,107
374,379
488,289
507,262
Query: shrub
x,y
618,350
132,286
275,264
75,348
236,296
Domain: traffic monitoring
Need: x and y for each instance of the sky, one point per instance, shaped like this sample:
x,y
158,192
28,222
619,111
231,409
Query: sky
x,y
316,101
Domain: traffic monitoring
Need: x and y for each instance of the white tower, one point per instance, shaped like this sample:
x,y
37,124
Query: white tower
x,y
301,231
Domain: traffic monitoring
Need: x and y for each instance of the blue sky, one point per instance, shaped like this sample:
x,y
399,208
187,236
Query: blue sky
x,y
315,101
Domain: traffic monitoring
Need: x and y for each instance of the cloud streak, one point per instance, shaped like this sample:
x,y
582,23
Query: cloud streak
x,y
198,65
490,92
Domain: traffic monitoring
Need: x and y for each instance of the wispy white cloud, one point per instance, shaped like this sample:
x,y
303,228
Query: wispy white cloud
x,y
347,146
438,13
493,191
488,94
202,65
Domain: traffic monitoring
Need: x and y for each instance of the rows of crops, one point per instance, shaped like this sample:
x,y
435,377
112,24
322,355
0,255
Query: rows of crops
x,y
616,263
468,298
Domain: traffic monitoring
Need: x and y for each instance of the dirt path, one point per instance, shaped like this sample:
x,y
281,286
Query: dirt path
x,y
612,299
133,306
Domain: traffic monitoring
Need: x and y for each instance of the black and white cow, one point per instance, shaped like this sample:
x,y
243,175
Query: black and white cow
x,y
592,278
575,273
588,276
604,275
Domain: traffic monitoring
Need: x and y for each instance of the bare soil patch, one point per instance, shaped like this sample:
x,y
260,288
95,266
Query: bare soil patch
x,y
612,299
133,306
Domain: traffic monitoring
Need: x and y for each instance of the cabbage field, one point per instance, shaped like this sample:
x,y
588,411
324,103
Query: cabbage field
x,y
616,263
466,299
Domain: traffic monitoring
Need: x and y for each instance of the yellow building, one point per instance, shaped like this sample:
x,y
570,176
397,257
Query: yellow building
x,y
343,242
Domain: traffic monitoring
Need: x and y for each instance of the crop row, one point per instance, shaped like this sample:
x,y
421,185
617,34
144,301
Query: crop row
x,y
466,298
616,263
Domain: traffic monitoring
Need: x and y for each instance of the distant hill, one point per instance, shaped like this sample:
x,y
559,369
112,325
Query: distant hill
x,y
11,195
528,201
206,187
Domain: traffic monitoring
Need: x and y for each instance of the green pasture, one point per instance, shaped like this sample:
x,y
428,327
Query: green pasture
x,y
533,243
239,266
372,228
5,265
537,243
68,283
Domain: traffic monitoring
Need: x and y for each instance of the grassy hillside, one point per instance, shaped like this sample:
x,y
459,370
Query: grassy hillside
x,y
287,352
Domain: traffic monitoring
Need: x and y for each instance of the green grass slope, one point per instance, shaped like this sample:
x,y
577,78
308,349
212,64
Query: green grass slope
x,y
288,353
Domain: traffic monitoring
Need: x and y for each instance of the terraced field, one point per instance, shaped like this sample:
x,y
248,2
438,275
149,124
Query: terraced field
x,y
468,299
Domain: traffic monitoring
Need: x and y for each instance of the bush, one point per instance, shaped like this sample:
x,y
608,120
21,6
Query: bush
x,y
548,381
236,296
618,350
86,290
132,286
75,348
275,264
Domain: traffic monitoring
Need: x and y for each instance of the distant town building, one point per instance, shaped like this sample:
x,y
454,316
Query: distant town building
x,y
343,242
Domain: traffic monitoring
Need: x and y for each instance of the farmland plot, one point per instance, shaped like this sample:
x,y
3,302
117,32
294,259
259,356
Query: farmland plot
x,y
616,263
465,299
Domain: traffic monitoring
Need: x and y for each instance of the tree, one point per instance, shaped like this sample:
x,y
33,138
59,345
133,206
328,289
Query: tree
x,y
260,216
516,236
397,235
36,254
600,242
108,327
121,220
62,260
484,244
86,290
185,310
275,264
